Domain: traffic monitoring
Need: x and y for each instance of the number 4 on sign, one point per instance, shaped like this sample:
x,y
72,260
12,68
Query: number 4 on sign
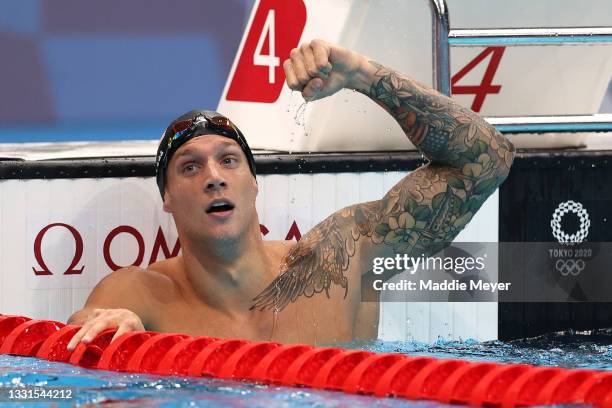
x,y
486,87
275,28
270,60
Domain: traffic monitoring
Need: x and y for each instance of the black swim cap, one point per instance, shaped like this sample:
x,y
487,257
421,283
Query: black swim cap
x,y
190,125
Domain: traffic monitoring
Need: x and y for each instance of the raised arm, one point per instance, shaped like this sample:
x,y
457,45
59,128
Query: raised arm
x,y
468,160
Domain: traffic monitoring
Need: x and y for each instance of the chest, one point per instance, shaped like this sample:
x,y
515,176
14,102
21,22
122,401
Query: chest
x,y
310,320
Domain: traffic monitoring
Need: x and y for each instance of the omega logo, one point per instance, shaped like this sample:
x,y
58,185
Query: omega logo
x,y
160,243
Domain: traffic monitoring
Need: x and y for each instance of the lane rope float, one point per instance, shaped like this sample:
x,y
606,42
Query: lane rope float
x,y
330,368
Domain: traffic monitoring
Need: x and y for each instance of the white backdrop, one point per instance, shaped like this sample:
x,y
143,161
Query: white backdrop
x,y
533,80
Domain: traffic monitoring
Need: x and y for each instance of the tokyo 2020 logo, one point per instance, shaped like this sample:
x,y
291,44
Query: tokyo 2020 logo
x,y
583,231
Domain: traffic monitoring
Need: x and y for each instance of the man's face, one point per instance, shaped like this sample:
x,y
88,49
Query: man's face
x,y
210,190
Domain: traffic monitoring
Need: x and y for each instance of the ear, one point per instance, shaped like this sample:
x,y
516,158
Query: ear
x,y
167,205
256,186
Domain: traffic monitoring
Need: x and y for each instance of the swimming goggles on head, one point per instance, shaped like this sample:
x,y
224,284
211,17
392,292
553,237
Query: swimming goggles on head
x,y
218,124
200,124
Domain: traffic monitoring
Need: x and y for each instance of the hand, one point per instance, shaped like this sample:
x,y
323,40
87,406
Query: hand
x,y
101,319
319,69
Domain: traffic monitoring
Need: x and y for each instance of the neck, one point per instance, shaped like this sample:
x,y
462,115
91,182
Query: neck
x,y
226,274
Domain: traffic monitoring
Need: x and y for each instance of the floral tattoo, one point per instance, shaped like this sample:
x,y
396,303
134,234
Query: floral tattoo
x,y
422,213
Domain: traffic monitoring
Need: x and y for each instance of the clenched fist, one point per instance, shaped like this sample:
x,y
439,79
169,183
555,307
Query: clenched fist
x,y
319,69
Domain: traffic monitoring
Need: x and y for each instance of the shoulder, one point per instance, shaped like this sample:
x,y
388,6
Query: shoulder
x,y
137,289
137,280
279,248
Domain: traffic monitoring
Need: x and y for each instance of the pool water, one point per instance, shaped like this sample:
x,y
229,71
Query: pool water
x,y
122,389
567,350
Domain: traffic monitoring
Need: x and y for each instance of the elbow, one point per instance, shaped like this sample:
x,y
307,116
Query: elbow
x,y
505,155
501,155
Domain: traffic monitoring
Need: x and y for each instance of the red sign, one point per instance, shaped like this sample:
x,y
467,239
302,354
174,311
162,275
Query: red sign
x,y
276,29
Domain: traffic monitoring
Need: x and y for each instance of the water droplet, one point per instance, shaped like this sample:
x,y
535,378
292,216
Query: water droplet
x,y
300,113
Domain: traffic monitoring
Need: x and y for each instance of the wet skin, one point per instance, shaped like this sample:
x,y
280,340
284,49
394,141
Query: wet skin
x,y
225,263
228,282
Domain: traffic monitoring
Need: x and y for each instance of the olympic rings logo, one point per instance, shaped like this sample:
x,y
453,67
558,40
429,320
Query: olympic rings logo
x,y
583,231
570,266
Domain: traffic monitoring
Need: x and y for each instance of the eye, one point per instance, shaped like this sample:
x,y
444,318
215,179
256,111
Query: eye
x,y
189,168
229,160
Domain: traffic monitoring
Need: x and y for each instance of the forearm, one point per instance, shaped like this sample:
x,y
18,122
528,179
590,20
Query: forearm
x,y
445,132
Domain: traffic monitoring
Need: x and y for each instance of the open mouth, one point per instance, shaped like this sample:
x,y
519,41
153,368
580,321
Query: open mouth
x,y
220,206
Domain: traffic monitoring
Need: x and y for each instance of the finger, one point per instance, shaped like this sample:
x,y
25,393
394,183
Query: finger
x,y
292,80
94,330
124,328
320,51
297,63
313,89
128,326
76,338
309,60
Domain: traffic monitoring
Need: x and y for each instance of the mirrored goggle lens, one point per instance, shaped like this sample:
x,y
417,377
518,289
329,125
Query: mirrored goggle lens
x,y
181,126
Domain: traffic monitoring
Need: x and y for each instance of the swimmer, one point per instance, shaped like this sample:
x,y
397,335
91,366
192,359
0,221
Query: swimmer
x,y
230,283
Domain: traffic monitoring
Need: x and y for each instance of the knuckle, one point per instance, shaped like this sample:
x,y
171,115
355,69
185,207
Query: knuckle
x,y
294,53
317,43
301,76
104,316
321,64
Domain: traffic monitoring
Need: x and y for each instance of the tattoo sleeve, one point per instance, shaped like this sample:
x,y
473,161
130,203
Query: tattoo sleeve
x,y
422,213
